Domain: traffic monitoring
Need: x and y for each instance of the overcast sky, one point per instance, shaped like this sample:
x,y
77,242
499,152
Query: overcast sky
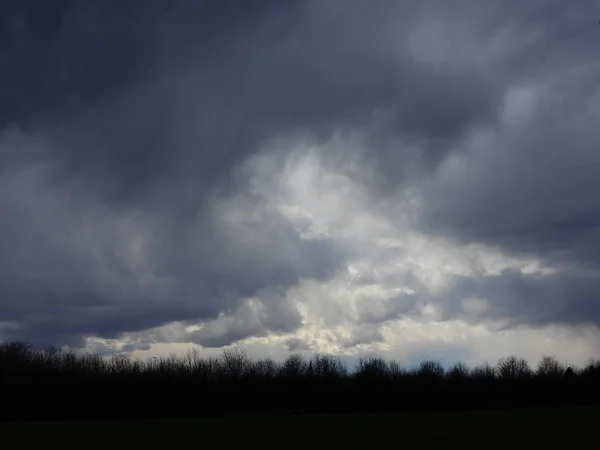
x,y
407,178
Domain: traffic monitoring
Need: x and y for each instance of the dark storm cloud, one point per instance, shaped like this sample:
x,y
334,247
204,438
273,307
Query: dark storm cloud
x,y
72,269
117,92
64,55
530,185
123,120
204,96
567,298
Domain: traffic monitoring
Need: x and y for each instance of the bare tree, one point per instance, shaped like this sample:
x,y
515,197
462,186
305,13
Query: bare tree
x,y
513,368
263,368
430,370
458,372
235,361
294,367
483,374
395,371
119,364
369,368
592,369
327,366
550,368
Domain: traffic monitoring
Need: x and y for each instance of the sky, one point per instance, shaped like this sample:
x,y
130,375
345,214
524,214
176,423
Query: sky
x,y
409,179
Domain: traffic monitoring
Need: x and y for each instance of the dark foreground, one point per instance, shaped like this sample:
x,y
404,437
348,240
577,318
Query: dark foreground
x,y
474,429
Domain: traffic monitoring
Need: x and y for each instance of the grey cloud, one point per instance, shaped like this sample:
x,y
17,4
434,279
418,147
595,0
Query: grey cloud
x,y
60,57
271,312
377,311
364,334
296,344
103,349
202,107
529,185
567,298
72,270
123,122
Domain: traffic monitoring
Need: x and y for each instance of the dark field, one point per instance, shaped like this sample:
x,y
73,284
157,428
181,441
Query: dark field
x,y
517,428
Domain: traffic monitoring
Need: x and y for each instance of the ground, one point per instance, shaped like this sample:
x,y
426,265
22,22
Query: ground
x,y
517,428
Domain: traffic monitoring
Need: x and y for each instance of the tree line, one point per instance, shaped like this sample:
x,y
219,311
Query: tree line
x,y
46,384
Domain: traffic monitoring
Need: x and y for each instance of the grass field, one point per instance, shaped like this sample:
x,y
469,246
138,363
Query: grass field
x,y
519,428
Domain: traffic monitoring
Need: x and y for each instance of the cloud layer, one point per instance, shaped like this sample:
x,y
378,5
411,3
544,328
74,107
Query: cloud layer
x,y
324,176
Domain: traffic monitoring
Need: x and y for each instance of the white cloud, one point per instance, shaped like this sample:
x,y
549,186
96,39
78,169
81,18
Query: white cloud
x,y
389,296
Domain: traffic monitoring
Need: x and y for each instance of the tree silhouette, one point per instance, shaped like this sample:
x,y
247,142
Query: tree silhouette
x,y
39,384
